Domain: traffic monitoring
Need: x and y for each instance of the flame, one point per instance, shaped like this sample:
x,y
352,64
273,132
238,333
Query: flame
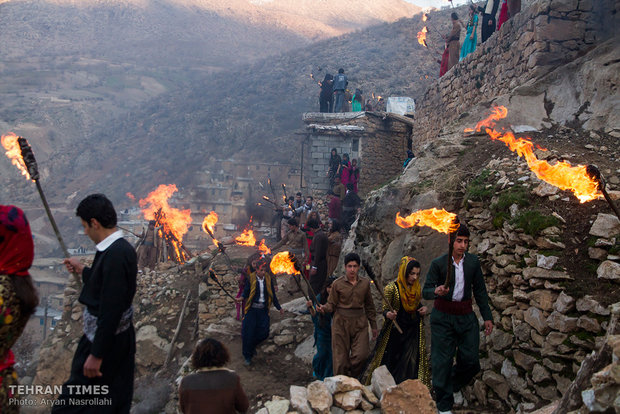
x,y
562,174
424,17
247,239
174,222
439,220
130,196
282,263
13,151
208,225
262,247
422,36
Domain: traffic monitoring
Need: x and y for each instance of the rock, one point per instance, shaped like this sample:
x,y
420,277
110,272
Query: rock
x,y
366,406
282,340
151,349
605,225
348,400
597,253
548,393
589,304
589,324
522,331
500,340
305,350
263,411
554,366
508,370
319,397
564,303
497,383
544,190
545,243
480,391
563,383
539,273
277,407
605,242
556,338
561,322
609,270
408,396
369,395
536,319
543,299
501,302
504,260
540,374
523,360
337,410
342,383
546,262
299,399
381,381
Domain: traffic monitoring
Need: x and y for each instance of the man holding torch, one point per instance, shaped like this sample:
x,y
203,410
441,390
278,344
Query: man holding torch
x,y
102,370
454,326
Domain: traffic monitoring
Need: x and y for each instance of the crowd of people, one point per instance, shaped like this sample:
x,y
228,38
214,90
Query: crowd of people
x,y
454,51
335,97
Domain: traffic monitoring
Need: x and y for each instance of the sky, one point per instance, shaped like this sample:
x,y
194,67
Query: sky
x,y
435,3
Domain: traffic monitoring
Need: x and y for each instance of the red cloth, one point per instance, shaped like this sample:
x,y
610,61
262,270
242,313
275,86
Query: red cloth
x,y
503,14
16,244
335,208
444,62
7,361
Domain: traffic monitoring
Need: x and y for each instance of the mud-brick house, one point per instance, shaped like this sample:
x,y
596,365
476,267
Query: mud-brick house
x,y
378,140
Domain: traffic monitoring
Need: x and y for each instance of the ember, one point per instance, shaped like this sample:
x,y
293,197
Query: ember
x,y
561,175
13,151
440,220
172,222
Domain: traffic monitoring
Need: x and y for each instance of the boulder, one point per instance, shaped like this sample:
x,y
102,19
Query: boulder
x,y
319,397
342,383
536,319
299,399
305,350
609,270
349,400
410,396
381,381
561,322
546,262
523,360
564,303
597,253
589,324
277,407
543,299
497,383
540,374
605,225
500,340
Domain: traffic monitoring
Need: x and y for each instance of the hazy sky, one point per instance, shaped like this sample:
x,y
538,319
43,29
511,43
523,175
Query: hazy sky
x,y
435,3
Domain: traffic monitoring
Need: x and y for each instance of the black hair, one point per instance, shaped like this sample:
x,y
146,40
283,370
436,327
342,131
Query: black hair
x,y
352,257
98,207
462,231
210,353
299,194
454,16
310,197
335,150
293,222
312,223
412,263
340,70
336,226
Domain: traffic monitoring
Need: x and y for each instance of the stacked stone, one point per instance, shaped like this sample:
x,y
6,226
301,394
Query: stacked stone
x,y
540,38
341,394
214,303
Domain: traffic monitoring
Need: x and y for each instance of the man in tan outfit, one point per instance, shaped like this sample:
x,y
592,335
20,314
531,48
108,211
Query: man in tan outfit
x,y
351,302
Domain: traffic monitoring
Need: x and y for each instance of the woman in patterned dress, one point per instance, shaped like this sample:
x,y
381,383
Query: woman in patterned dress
x,y
403,354
18,297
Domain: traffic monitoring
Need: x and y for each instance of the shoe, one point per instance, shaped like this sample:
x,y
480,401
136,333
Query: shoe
x,y
458,398
247,362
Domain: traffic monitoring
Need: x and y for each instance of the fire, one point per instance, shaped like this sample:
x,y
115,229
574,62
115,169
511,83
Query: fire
x,y
247,239
208,225
262,247
440,220
282,263
174,222
562,174
424,17
422,36
131,196
13,151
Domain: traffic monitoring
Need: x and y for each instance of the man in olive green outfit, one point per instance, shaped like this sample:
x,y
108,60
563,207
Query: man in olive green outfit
x,y
454,326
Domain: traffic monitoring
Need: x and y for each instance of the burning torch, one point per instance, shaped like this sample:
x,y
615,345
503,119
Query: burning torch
x,y
596,175
286,262
33,170
375,282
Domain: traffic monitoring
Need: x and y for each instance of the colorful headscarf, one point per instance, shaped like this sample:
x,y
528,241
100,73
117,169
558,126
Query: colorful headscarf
x,y
16,244
409,295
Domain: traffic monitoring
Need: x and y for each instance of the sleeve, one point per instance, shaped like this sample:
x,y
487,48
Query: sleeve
x,y
276,303
332,299
371,312
389,295
282,242
246,288
181,397
86,274
480,293
114,298
241,400
432,281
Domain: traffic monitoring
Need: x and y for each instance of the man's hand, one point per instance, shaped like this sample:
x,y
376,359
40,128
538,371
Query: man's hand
x,y
281,311
73,265
423,310
441,290
92,366
375,333
391,315
320,308
490,22
488,327
312,271
239,300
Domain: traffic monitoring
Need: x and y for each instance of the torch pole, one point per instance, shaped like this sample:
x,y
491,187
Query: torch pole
x,y
595,173
373,280
449,264
55,227
217,281
312,309
610,201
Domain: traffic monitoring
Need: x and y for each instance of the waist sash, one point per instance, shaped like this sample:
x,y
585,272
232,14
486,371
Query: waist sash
x,y
90,323
454,308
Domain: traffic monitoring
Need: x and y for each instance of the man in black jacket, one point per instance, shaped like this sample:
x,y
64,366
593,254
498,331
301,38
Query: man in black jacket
x,y
102,370
318,252
488,18
340,85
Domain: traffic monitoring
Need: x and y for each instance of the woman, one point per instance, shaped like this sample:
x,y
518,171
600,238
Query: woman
x,y
403,354
244,275
503,14
326,97
334,167
322,366
471,38
344,164
452,39
334,246
357,105
353,175
18,297
212,388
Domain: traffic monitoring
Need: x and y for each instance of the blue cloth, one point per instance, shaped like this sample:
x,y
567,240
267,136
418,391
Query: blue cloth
x,y
340,82
469,45
322,365
338,100
254,330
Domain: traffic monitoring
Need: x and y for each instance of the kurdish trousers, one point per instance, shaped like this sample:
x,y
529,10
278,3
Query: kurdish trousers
x,y
254,330
350,342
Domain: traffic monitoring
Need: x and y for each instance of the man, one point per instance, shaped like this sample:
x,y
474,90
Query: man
x,y
350,206
258,294
334,206
297,204
351,302
339,188
304,210
104,361
488,18
454,326
340,84
452,39
294,241
318,253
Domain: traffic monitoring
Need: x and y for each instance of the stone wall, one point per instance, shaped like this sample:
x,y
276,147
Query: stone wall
x,y
542,37
378,141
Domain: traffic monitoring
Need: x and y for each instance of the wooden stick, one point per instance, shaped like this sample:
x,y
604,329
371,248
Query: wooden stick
x,y
373,280
178,329
312,308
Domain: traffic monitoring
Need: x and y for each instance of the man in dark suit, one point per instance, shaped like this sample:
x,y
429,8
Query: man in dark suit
x,y
102,370
454,326
488,18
